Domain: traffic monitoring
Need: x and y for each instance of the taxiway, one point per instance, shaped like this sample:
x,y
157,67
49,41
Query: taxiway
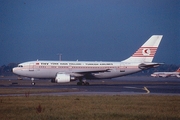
x,y
119,86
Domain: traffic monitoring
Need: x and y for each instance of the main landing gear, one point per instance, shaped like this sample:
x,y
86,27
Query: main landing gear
x,y
32,81
82,82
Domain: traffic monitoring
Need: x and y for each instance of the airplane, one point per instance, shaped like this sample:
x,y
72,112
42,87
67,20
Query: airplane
x,y
167,74
66,71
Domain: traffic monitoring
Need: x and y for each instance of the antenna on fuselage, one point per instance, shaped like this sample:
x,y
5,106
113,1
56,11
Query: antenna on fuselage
x,y
60,56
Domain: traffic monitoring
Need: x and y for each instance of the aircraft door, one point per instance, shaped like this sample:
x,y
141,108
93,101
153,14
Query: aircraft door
x,y
31,67
70,67
122,67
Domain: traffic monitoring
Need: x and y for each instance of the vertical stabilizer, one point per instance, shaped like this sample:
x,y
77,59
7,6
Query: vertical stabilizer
x,y
178,70
147,51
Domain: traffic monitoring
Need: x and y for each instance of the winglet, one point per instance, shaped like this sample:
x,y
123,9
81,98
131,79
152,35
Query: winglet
x,y
147,51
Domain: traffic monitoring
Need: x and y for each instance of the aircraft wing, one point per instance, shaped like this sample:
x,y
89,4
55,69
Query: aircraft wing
x,y
149,65
83,73
164,75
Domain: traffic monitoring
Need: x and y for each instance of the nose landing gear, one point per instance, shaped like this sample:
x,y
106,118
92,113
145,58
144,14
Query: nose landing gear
x,y
32,81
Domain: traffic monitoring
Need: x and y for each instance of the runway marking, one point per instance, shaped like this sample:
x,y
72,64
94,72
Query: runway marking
x,y
145,88
131,87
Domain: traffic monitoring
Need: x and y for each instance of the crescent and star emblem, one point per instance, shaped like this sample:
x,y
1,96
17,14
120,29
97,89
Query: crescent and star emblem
x,y
146,51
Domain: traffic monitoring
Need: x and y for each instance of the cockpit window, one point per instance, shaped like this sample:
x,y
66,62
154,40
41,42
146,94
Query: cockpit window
x,y
20,66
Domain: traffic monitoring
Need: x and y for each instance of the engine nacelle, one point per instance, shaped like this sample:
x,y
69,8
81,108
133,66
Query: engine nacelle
x,y
178,76
63,78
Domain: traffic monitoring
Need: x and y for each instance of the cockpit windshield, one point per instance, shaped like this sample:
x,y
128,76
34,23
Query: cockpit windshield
x,y
20,66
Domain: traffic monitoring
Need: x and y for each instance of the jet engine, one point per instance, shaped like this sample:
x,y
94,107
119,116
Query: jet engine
x,y
63,78
178,76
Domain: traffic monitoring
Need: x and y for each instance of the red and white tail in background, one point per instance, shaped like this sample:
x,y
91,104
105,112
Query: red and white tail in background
x,y
146,52
178,70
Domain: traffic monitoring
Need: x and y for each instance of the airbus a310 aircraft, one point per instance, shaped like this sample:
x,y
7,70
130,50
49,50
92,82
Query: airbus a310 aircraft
x,y
66,71
167,74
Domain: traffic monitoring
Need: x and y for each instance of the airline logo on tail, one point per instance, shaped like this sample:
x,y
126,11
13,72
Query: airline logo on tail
x,y
145,52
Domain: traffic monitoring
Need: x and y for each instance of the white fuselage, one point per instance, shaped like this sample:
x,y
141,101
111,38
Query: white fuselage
x,y
49,69
66,71
165,74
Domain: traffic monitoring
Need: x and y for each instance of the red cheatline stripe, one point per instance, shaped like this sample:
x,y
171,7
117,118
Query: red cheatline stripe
x,y
139,52
148,47
150,50
143,55
142,50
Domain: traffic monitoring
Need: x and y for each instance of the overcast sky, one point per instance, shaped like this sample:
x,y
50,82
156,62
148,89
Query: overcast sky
x,y
95,30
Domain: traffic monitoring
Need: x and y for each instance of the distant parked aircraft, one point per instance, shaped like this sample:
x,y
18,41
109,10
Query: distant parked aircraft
x,y
167,74
66,71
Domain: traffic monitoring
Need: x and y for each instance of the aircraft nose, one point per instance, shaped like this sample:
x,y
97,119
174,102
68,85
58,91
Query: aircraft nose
x,y
14,70
17,71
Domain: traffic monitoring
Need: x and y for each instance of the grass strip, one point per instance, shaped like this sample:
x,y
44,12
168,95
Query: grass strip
x,y
123,107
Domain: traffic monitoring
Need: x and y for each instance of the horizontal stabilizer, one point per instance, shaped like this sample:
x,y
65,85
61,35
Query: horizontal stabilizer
x,y
149,65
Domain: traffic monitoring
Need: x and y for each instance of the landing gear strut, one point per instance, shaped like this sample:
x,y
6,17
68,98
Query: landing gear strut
x,y
81,82
32,83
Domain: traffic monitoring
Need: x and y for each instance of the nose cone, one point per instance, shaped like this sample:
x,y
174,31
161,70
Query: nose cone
x,y
18,71
14,70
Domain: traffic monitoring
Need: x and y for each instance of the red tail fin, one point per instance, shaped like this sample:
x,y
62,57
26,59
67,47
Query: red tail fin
x,y
178,70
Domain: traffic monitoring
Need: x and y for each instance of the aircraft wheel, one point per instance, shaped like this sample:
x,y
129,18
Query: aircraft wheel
x,y
83,83
33,83
79,83
86,83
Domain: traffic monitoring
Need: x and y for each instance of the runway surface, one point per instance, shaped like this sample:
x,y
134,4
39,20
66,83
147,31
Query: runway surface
x,y
120,86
